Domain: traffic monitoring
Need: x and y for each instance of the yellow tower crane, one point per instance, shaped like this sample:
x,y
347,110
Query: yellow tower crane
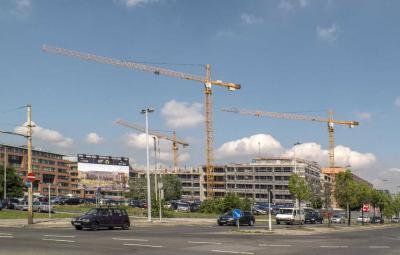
x,y
330,121
162,71
175,141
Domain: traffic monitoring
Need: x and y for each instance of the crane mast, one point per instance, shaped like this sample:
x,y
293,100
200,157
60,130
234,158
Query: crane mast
x,y
281,115
162,71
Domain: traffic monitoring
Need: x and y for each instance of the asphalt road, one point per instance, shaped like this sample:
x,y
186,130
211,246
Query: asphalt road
x,y
192,240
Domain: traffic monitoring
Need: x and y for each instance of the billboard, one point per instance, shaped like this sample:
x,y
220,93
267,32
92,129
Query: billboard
x,y
109,173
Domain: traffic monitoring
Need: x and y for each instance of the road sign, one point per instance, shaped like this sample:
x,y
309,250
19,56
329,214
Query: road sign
x,y
31,177
237,213
365,208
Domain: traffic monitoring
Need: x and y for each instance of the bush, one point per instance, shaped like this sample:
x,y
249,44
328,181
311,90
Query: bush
x,y
229,202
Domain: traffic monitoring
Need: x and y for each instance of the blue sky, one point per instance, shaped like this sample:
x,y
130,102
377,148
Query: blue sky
x,y
302,56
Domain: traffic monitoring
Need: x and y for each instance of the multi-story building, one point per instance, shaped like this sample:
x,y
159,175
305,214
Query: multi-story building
x,y
252,180
48,167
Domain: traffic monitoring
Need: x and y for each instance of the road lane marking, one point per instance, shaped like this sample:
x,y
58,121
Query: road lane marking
x,y
59,236
378,247
58,240
6,237
233,252
194,242
334,246
5,234
275,245
130,239
143,245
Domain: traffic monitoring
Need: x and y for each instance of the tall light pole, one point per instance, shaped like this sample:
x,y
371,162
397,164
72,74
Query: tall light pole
x,y
155,167
30,189
5,172
146,112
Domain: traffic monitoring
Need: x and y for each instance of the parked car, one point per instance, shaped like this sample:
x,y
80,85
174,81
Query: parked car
x,y
9,203
313,217
227,219
22,206
338,219
183,207
97,218
366,219
258,210
41,207
194,207
72,201
377,220
290,216
395,219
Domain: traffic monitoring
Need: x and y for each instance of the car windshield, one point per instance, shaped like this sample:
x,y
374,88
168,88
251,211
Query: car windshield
x,y
92,212
229,213
286,211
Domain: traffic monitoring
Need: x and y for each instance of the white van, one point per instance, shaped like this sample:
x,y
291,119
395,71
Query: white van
x,y
290,216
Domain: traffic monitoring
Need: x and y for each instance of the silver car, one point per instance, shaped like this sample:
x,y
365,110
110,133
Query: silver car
x,y
22,206
41,207
338,219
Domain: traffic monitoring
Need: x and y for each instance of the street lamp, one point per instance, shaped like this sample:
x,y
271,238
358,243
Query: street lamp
x,y
146,112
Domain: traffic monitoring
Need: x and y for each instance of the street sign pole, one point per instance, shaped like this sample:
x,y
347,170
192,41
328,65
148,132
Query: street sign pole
x,y
269,211
30,189
49,201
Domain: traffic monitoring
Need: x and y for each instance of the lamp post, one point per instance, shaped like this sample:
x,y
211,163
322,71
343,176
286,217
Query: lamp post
x,y
5,172
146,112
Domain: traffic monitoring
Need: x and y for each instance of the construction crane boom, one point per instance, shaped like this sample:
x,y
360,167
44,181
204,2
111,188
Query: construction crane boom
x,y
162,71
175,141
281,115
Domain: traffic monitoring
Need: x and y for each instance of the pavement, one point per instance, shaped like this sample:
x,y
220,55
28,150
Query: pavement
x,y
193,240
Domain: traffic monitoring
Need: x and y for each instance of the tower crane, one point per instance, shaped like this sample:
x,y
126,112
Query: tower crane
x,y
330,121
175,141
162,71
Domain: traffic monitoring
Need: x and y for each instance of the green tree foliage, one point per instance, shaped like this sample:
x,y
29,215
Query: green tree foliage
x,y
14,183
298,188
172,187
229,202
138,188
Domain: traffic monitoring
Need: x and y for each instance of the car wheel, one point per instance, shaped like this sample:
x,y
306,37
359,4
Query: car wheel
x,y
78,227
278,223
110,228
220,224
125,226
94,226
251,223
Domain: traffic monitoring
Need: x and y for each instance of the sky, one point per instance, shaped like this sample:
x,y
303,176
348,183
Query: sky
x,y
297,56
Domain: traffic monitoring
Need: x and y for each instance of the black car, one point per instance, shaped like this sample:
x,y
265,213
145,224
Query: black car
x,y
9,203
313,217
97,218
227,219
377,220
72,201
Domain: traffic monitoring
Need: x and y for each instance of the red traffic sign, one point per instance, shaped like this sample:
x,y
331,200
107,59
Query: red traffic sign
x,y
31,177
365,208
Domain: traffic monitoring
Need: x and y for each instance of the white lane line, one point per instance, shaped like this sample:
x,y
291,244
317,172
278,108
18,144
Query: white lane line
x,y
334,246
275,245
6,237
378,247
194,242
233,252
5,234
59,240
143,245
130,239
59,236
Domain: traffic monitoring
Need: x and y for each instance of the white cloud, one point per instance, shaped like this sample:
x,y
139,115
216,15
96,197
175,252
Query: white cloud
x,y
251,19
290,5
182,114
363,115
269,146
165,154
247,146
18,8
327,33
397,102
135,3
48,135
94,138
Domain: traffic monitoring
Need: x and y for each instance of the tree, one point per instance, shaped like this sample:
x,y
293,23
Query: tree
x,y
172,187
364,196
138,188
299,189
345,192
14,183
222,205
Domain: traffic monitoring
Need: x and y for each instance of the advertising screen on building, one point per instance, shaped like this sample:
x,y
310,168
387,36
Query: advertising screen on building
x,y
109,173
